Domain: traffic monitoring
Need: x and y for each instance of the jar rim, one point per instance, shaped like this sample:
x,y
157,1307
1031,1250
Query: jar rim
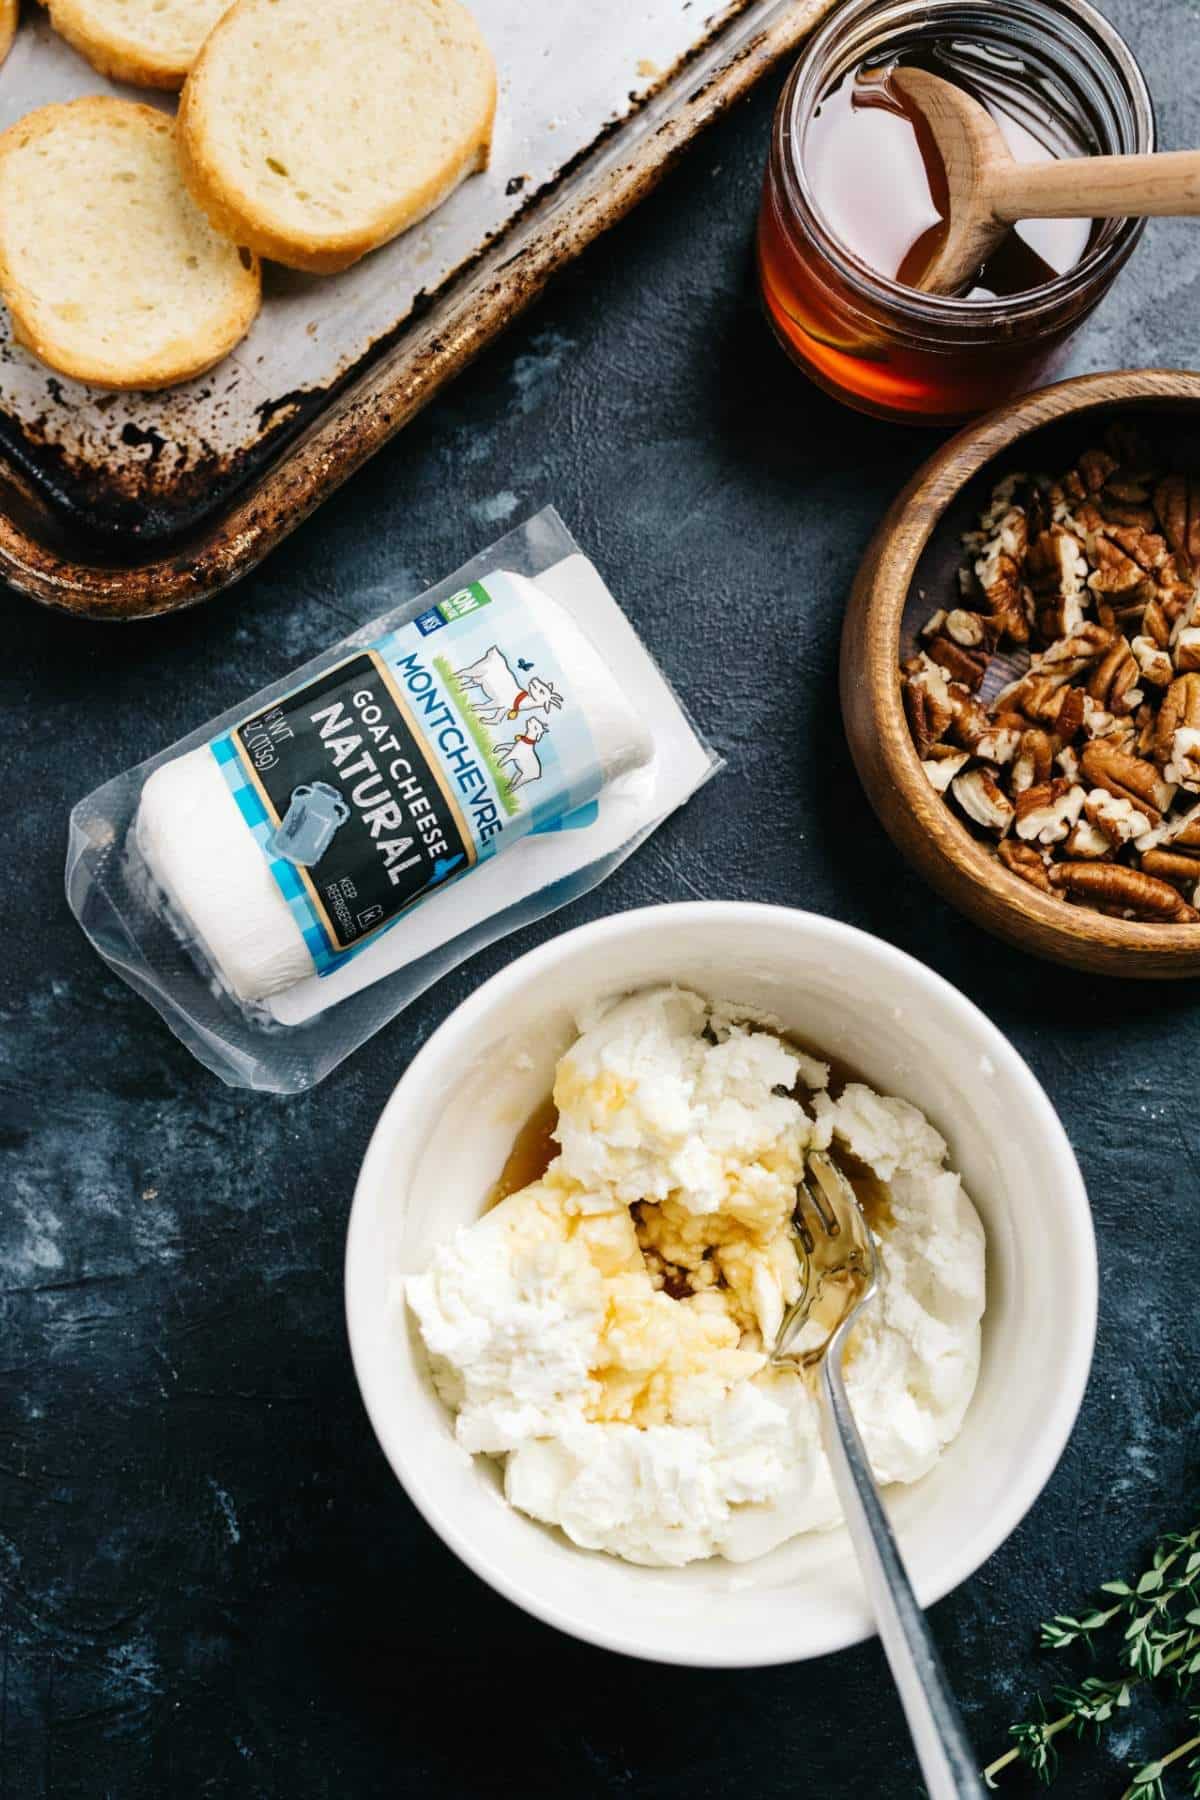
x,y
940,312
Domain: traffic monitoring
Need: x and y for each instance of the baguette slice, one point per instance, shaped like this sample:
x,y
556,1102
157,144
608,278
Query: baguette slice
x,y
152,43
111,274
314,139
8,25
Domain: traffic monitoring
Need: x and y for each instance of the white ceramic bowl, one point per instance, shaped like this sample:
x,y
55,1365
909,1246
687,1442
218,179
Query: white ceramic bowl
x,y
441,1142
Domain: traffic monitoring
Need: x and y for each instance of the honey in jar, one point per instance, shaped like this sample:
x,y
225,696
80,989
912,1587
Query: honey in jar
x,y
855,199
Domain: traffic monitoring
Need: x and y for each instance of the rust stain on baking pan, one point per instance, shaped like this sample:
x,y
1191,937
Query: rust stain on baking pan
x,y
158,514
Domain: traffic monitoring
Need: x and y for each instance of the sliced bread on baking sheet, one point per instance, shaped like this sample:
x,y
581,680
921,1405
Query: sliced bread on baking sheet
x,y
152,43
110,272
8,25
314,137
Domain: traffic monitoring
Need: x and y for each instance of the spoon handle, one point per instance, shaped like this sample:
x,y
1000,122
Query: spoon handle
x,y
1097,187
943,1749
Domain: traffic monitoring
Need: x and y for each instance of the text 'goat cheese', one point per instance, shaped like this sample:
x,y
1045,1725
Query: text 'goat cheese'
x,y
297,836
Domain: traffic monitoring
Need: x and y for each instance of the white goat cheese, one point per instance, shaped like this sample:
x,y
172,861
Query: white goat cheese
x,y
605,1329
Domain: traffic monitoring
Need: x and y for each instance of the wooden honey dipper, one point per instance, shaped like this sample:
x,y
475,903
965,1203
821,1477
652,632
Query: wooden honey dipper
x,y
989,191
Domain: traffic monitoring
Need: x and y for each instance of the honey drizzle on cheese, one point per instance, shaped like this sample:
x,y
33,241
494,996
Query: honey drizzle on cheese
x,y
533,1150
535,1147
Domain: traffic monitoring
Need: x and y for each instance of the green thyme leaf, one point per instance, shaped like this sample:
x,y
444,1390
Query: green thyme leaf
x,y
1159,1639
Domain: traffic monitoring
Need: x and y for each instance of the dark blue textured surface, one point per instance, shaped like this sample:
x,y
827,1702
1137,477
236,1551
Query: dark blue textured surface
x,y
209,1581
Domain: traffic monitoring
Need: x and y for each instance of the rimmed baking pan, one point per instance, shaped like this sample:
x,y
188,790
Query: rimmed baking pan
x,y
121,506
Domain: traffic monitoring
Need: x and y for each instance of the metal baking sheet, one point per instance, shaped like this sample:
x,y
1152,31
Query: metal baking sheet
x,y
118,504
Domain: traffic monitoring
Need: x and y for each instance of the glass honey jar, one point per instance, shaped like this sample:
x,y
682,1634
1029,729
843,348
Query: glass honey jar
x,y
853,185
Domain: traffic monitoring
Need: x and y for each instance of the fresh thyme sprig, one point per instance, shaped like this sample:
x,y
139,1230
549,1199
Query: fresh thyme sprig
x,y
1147,1783
1156,1642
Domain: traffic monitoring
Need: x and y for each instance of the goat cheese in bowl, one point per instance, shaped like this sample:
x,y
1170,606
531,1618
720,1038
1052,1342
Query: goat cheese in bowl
x,y
606,1328
599,1346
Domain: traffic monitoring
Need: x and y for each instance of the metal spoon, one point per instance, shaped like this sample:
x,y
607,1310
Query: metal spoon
x,y
989,191
841,1267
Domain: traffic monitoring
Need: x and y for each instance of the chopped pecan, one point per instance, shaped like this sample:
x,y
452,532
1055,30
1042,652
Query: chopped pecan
x,y
998,572
1146,722
1176,588
1090,520
1038,697
1153,661
1125,891
971,630
1096,722
1183,831
941,770
968,667
1046,813
1127,618
1024,861
1056,570
1183,766
1081,765
1177,731
1070,714
1181,704
1171,865
1087,844
927,702
1112,683
1130,515
983,800
1156,625
1077,652
969,722
1006,718
1034,761
1127,777
1117,577
1120,734
1166,589
1131,490
1142,544
999,745
1119,818
922,720
1055,668
1177,503
1094,468
1186,651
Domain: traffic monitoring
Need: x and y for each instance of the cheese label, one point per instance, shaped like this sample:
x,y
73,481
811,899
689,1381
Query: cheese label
x,y
360,812
403,767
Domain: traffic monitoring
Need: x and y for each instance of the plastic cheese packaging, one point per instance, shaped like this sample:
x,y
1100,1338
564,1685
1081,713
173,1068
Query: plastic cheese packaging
x,y
288,878
191,825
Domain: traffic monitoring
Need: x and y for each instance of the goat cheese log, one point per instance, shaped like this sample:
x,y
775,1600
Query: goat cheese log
x,y
315,822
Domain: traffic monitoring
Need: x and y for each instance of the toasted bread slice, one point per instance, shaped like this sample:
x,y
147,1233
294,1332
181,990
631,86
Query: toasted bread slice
x,y
8,25
312,139
152,43
110,272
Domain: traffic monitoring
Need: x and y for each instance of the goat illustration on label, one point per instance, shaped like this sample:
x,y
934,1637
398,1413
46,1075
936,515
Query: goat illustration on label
x,y
519,761
496,695
315,814
503,695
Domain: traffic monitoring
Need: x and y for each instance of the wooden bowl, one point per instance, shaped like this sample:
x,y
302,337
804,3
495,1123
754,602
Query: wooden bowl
x,y
910,569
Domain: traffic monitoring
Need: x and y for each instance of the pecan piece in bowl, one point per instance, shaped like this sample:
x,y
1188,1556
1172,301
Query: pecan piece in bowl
x,y
1056,705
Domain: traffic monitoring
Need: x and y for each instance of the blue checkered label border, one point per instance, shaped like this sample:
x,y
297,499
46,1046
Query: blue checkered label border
x,y
262,827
